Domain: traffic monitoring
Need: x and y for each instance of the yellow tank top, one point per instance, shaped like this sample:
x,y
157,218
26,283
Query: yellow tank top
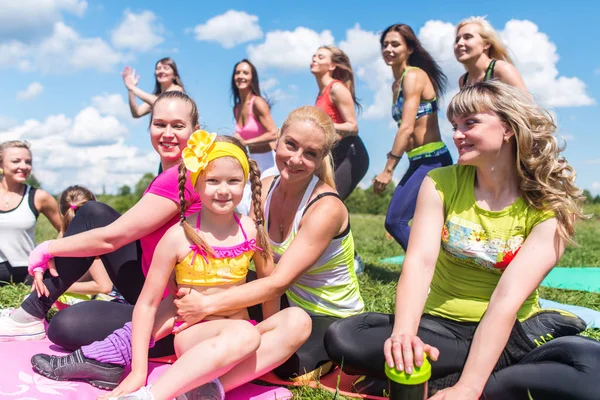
x,y
229,266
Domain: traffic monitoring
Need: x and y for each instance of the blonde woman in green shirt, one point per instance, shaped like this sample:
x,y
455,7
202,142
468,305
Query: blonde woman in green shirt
x,y
469,300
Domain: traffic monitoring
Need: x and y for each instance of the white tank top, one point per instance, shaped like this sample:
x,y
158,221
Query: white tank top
x,y
17,230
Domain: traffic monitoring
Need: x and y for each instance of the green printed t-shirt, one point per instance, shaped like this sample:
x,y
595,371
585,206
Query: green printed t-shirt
x,y
476,247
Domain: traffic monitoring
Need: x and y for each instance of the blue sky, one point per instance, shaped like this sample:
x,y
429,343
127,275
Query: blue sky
x,y
62,90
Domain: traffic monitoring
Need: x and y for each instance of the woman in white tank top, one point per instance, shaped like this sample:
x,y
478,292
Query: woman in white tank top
x,y
20,205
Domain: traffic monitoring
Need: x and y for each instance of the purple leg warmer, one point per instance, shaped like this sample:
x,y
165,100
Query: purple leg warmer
x,y
115,349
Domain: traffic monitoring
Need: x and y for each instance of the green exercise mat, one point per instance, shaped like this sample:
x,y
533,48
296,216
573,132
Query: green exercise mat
x,y
586,279
393,260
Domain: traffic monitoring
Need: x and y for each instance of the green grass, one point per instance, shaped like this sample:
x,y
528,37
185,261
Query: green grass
x,y
378,283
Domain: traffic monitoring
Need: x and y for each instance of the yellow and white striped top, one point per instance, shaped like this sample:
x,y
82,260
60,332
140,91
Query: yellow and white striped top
x,y
330,286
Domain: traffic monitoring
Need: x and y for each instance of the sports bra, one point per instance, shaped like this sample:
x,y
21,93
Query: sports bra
x,y
426,107
253,128
229,266
489,73
324,103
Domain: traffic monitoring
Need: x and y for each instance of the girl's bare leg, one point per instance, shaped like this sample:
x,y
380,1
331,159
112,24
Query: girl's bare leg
x,y
206,351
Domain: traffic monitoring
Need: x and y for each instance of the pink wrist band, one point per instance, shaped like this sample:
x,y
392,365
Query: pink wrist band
x,y
39,257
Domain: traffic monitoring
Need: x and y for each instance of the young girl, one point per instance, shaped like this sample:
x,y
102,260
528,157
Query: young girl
x,y
96,279
479,48
212,257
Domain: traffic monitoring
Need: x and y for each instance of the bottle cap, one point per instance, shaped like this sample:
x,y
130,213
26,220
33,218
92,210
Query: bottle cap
x,y
420,374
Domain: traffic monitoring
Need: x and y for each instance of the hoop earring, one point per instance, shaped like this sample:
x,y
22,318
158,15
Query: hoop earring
x,y
1,171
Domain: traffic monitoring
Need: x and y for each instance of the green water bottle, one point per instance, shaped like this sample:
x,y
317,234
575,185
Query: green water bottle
x,y
405,386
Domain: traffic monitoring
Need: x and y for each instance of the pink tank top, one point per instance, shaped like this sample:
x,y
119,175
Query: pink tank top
x,y
324,103
253,128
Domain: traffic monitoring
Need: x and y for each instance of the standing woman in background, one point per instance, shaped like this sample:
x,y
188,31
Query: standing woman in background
x,y
479,48
20,205
254,126
335,78
167,80
418,82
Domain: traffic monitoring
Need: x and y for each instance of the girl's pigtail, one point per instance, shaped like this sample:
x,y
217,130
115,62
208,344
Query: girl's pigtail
x,y
190,233
262,235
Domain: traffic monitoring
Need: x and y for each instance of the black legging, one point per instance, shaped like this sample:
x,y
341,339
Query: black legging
x,y
564,368
312,354
92,320
351,162
10,274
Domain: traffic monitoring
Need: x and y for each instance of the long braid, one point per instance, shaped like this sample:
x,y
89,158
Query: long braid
x,y
261,232
190,233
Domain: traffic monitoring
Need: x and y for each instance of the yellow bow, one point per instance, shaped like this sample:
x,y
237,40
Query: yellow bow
x,y
202,149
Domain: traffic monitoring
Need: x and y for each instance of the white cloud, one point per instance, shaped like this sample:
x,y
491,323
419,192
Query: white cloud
x,y
138,32
361,46
111,104
596,187
536,58
67,151
91,128
27,20
268,84
65,50
288,49
229,29
33,90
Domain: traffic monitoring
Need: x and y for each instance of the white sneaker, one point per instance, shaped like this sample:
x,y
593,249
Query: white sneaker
x,y
141,394
12,331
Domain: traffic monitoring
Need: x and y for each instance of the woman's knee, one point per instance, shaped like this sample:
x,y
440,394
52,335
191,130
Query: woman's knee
x,y
61,330
92,214
297,324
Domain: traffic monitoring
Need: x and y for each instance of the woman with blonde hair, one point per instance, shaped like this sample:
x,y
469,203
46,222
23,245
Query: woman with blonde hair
x,y
479,48
335,78
503,216
310,237
20,206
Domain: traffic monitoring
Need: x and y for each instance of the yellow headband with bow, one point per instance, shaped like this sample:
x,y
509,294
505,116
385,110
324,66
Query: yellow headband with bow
x,y
202,149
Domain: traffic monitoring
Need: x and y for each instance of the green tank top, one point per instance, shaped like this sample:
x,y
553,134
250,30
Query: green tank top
x,y
476,247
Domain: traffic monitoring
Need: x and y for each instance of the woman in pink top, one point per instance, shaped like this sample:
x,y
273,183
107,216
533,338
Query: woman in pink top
x,y
125,244
254,125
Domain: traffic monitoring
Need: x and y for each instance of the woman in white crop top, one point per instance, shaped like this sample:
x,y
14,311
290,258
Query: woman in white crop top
x,y
20,205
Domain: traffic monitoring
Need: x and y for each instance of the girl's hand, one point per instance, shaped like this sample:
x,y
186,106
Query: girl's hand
x,y
133,382
404,351
38,280
457,392
129,78
381,181
190,308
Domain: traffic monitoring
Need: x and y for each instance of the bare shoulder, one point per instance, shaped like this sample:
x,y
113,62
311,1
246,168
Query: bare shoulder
x,y
42,198
176,88
332,205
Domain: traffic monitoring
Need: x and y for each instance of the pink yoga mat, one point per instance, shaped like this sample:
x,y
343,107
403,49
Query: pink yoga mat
x,y
19,381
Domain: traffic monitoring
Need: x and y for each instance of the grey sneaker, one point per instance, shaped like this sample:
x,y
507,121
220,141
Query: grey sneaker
x,y
76,366
212,390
